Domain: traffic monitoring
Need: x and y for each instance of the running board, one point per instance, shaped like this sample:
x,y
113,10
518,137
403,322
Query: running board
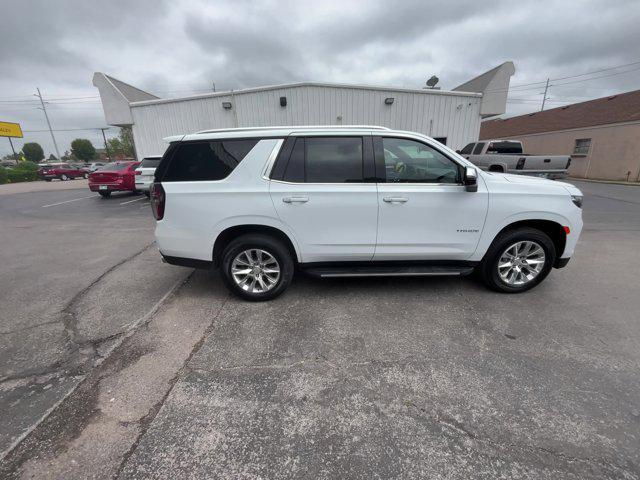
x,y
382,271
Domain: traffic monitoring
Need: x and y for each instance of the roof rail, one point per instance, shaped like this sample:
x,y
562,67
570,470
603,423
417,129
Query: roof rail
x,y
294,127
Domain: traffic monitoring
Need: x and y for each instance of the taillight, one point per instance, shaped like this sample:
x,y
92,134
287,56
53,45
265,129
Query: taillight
x,y
157,199
138,172
520,164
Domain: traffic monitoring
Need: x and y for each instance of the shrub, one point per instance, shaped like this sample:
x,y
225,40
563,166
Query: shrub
x,y
23,172
26,166
3,175
16,175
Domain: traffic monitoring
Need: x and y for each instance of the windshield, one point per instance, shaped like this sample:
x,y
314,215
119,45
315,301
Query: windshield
x,y
114,167
150,163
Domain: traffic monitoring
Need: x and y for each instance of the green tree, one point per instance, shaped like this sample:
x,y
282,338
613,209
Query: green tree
x,y
33,152
122,144
52,158
83,149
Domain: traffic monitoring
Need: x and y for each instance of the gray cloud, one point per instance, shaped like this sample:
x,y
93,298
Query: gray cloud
x,y
178,48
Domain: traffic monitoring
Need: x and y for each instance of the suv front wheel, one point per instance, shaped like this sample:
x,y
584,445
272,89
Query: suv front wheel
x,y
517,260
256,267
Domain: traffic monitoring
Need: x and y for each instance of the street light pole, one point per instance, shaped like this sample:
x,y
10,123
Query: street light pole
x,y
39,95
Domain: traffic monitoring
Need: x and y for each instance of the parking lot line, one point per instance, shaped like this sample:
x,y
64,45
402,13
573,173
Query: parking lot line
x,y
134,200
67,201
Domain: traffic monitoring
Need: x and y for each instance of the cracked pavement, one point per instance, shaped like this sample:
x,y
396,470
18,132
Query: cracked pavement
x,y
67,279
377,378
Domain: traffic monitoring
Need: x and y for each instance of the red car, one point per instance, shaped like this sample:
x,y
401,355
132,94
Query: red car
x,y
63,171
114,177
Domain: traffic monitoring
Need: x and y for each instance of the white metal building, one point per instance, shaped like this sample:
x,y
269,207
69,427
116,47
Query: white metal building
x,y
450,116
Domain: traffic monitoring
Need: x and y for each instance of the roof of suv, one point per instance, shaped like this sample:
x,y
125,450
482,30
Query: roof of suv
x,y
279,131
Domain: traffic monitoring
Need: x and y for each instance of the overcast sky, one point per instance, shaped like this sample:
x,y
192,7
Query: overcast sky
x,y
176,48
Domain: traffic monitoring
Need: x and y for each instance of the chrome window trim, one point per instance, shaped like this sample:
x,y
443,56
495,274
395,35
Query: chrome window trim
x,y
373,183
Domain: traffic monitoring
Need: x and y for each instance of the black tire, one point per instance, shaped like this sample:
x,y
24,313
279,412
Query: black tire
x,y
488,268
147,193
270,245
47,179
64,177
105,194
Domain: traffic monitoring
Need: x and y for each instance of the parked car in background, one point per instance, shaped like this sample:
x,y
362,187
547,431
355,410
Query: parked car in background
x,y
261,204
506,156
62,171
83,167
145,172
113,177
95,166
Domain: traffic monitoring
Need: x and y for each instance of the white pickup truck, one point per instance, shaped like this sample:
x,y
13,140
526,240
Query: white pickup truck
x,y
506,156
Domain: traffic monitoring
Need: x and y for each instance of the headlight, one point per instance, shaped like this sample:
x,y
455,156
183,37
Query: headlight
x,y
577,200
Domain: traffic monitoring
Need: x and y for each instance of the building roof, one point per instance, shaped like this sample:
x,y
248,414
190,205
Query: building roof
x,y
620,108
305,84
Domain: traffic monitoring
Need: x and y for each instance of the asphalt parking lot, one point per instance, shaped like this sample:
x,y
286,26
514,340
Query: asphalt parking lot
x,y
143,370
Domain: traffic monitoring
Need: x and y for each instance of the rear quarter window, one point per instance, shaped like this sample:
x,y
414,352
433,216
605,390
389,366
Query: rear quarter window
x,y
204,160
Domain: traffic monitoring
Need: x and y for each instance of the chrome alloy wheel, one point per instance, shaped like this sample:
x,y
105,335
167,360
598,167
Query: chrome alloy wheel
x,y
520,263
255,270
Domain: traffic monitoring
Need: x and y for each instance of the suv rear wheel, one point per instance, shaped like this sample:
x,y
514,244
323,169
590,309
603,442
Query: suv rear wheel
x,y
256,267
518,260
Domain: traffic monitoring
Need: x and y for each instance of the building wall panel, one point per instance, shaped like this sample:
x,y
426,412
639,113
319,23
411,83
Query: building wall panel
x,y
456,117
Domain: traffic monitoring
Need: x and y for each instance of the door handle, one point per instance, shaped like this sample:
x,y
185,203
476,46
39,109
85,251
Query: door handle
x,y
395,199
295,199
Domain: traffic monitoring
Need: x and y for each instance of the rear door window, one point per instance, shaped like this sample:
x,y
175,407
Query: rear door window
x,y
326,160
206,160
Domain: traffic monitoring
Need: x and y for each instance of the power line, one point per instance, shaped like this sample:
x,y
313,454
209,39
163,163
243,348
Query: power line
x,y
539,84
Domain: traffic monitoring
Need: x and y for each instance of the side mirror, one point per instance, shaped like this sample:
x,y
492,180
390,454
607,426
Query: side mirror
x,y
458,151
470,179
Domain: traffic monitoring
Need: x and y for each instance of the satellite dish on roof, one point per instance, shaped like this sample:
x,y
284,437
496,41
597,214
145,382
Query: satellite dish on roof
x,y
433,81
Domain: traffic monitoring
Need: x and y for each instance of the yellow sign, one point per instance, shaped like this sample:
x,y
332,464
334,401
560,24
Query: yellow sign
x,y
10,130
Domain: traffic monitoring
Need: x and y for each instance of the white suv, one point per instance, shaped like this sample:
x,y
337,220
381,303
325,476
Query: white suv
x,y
144,173
353,201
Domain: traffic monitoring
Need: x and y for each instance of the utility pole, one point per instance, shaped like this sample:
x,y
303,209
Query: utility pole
x,y
39,95
106,148
544,95
214,87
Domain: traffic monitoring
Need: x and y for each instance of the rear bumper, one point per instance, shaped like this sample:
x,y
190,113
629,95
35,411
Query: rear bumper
x,y
187,262
143,186
111,187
